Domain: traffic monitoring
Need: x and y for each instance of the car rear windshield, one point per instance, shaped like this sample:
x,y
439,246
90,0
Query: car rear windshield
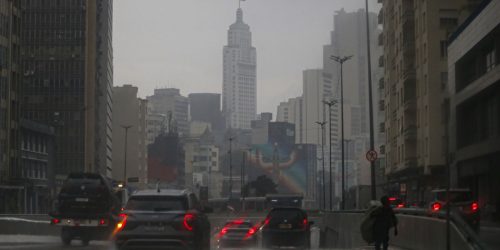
x,y
291,215
455,196
157,203
78,185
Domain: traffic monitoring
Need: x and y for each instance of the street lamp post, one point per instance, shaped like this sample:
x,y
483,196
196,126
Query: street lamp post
x,y
231,139
341,61
126,127
330,105
370,103
347,141
322,125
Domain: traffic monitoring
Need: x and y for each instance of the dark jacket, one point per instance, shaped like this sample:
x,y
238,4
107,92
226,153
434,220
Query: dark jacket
x,y
384,220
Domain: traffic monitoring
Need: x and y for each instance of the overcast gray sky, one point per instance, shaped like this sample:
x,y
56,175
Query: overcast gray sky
x,y
178,43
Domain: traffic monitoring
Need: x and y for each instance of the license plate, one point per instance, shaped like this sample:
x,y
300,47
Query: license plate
x,y
154,229
82,199
285,226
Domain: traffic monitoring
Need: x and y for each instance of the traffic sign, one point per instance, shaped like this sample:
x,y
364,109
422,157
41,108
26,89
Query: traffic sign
x,y
371,155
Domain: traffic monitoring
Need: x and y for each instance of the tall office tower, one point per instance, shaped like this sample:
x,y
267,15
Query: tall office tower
x,y
129,122
415,42
175,107
205,107
239,91
68,78
10,87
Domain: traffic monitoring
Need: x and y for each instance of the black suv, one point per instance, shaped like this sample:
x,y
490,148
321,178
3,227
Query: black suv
x,y
286,227
170,219
86,208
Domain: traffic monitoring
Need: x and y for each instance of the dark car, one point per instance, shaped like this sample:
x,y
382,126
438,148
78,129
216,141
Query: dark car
x,y
395,202
461,201
237,233
286,227
163,219
87,208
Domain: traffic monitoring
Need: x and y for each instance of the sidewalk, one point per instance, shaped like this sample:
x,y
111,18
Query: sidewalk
x,y
13,239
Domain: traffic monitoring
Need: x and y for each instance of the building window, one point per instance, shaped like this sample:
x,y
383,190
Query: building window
x,y
444,49
444,80
490,59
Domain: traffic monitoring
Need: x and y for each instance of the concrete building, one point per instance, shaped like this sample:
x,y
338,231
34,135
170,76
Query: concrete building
x,y
129,111
239,90
166,160
205,107
10,97
174,106
474,102
291,112
37,167
155,125
68,80
415,59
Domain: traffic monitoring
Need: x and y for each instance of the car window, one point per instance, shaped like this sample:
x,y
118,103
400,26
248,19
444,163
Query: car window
x,y
74,185
156,203
454,196
291,215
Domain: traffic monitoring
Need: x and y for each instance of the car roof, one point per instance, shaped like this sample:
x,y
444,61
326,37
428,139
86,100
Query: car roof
x,y
161,192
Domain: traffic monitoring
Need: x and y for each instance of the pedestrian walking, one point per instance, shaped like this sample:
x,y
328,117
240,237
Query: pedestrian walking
x,y
385,219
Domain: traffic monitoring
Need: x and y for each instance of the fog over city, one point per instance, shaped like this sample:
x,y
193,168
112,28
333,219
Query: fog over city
x,y
185,38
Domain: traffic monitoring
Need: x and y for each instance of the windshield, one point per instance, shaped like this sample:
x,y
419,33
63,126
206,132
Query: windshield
x,y
243,106
156,203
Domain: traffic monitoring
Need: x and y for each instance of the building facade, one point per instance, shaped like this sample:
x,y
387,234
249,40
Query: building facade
x,y
205,107
68,70
474,105
175,107
37,162
415,57
129,111
10,98
239,90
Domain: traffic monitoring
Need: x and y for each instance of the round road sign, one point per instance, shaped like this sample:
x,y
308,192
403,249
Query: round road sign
x,y
371,155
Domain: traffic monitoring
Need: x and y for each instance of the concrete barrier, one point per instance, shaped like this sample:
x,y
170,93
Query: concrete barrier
x,y
342,230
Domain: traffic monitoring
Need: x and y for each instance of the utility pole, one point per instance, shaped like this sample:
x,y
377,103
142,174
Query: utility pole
x,y
322,124
126,127
341,61
230,168
347,175
370,104
330,105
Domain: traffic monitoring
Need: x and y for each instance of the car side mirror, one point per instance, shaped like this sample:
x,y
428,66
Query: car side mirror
x,y
208,210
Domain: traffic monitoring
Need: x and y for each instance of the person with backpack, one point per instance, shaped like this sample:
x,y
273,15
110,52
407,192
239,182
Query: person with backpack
x,y
384,220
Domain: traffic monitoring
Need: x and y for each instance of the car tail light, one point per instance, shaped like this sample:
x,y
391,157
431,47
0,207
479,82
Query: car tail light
x,y
122,221
304,223
436,207
102,222
55,221
223,231
251,232
188,222
474,206
392,198
401,205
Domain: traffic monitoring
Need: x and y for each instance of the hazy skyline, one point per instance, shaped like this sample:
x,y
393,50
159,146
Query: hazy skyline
x,y
178,43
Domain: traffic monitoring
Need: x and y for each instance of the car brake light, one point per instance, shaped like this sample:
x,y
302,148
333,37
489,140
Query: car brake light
x,y
392,198
121,224
250,232
436,206
266,221
474,206
400,205
55,221
188,220
102,222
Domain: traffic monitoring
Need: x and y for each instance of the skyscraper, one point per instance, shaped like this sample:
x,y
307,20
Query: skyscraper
x,y
174,106
10,76
205,107
68,79
239,91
